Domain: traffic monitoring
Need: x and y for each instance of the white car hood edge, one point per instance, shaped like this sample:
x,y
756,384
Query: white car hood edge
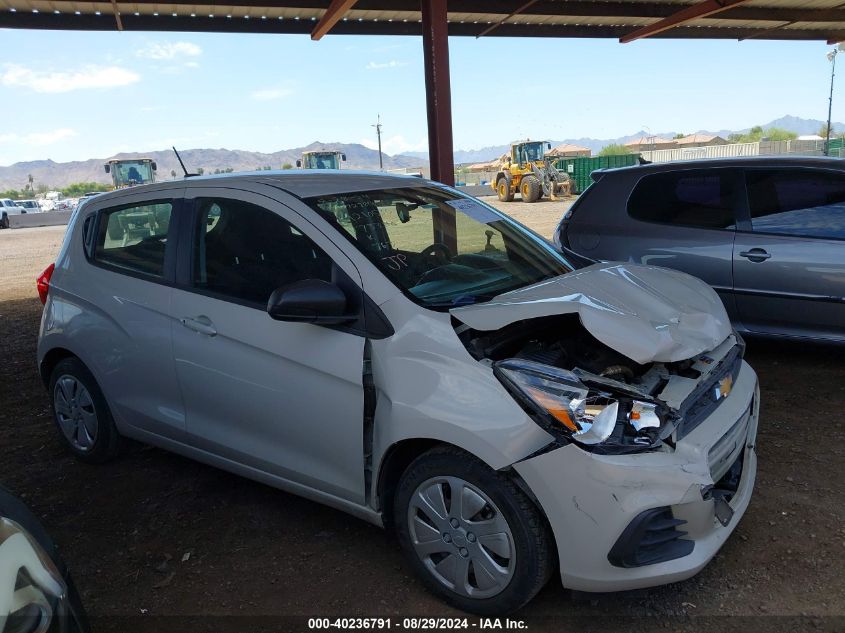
x,y
647,313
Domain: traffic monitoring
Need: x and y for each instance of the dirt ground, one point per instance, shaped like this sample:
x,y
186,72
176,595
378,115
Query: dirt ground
x,y
157,534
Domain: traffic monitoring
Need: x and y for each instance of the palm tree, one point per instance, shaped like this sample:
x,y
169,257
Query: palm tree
x,y
30,180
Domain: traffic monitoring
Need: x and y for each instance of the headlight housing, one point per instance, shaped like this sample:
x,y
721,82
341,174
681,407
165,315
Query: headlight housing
x,y
594,417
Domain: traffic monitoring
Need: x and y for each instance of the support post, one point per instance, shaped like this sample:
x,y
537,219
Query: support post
x,y
438,94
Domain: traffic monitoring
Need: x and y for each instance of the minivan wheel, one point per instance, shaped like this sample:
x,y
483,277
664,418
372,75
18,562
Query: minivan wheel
x,y
81,413
471,534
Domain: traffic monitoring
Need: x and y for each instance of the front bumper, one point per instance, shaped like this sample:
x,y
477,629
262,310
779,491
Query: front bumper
x,y
590,499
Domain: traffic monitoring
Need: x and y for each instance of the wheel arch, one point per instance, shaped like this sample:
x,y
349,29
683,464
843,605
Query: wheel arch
x,y
52,358
400,455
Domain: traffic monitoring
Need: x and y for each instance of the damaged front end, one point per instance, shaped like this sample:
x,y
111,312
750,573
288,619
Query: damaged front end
x,y
580,390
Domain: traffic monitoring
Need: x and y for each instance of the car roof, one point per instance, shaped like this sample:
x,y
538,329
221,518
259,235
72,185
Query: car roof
x,y
303,183
819,162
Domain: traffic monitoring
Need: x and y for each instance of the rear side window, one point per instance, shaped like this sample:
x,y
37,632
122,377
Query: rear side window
x,y
703,199
797,202
245,252
134,238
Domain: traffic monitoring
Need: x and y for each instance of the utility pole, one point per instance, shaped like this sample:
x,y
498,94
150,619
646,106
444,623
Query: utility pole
x,y
378,132
831,56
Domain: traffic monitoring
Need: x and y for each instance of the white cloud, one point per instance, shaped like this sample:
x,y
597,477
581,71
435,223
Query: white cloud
x,y
382,65
39,138
396,145
169,50
271,94
55,82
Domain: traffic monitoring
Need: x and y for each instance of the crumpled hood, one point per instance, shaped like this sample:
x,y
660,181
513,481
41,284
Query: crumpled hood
x,y
647,313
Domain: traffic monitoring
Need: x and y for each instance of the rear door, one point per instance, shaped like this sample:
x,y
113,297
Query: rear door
x,y
278,397
684,219
789,262
117,308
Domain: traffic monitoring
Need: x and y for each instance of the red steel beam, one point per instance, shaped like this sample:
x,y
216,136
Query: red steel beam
x,y
337,9
693,12
438,90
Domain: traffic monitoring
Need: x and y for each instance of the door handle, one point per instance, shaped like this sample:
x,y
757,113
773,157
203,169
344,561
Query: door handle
x,y
201,324
756,255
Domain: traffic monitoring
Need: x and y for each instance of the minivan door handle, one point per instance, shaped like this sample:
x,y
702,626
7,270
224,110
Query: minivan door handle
x,y
201,324
756,255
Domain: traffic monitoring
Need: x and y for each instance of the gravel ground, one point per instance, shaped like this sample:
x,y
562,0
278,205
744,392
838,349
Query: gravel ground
x,y
157,534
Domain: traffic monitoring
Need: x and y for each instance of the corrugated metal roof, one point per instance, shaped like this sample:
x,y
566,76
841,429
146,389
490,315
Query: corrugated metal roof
x,y
761,19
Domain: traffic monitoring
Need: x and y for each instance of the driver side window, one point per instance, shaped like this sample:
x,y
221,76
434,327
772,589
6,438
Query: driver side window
x,y
245,252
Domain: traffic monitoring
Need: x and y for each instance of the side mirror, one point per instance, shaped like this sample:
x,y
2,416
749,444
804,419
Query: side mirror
x,y
343,157
298,163
154,166
107,167
309,301
403,212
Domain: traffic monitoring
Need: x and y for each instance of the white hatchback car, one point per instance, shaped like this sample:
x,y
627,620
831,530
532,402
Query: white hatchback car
x,y
393,348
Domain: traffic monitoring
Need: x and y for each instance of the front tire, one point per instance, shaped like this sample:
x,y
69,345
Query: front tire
x,y
4,222
530,189
81,414
474,538
503,190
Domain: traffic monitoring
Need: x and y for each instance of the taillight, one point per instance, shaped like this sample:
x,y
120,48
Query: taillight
x,y
43,282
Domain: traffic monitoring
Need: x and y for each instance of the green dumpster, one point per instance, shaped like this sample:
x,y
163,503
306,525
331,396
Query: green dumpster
x,y
579,169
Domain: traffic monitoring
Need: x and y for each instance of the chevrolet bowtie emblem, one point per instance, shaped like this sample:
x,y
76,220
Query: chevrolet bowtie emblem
x,y
724,387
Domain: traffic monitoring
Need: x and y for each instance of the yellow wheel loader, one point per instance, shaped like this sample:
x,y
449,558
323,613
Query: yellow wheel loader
x,y
529,173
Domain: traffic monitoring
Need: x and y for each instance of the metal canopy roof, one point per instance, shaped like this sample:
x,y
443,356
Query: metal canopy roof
x,y
623,19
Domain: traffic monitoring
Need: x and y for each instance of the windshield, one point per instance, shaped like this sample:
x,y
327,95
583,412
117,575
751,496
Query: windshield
x,y
441,248
132,173
529,152
321,161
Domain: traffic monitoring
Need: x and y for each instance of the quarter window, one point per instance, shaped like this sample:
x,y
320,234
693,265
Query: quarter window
x,y
801,203
245,252
134,238
688,198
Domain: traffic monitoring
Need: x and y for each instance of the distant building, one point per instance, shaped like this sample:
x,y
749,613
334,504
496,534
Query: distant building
x,y
492,165
568,150
700,140
648,143
810,137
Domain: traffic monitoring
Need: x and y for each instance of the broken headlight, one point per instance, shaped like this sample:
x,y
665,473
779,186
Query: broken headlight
x,y
591,416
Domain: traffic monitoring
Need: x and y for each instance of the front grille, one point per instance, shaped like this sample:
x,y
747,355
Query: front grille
x,y
652,537
725,451
703,401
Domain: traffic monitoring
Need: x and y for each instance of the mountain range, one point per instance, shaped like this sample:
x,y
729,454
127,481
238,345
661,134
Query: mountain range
x,y
792,123
57,175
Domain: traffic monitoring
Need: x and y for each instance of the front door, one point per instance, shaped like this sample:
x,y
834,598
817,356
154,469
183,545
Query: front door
x,y
789,268
280,397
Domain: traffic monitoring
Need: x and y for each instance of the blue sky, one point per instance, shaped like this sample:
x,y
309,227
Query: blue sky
x,y
77,95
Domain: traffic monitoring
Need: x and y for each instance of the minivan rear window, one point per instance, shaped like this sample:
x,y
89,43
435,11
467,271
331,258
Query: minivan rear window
x,y
703,199
134,238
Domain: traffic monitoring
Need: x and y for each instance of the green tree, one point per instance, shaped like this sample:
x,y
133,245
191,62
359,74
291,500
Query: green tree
x,y
14,194
200,171
679,135
614,149
79,188
287,166
757,133
173,174
823,131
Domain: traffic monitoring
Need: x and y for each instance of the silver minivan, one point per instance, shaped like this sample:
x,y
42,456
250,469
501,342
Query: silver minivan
x,y
403,352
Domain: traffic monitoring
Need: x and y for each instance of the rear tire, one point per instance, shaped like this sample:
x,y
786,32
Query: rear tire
x,y
4,222
503,190
489,554
530,189
81,415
